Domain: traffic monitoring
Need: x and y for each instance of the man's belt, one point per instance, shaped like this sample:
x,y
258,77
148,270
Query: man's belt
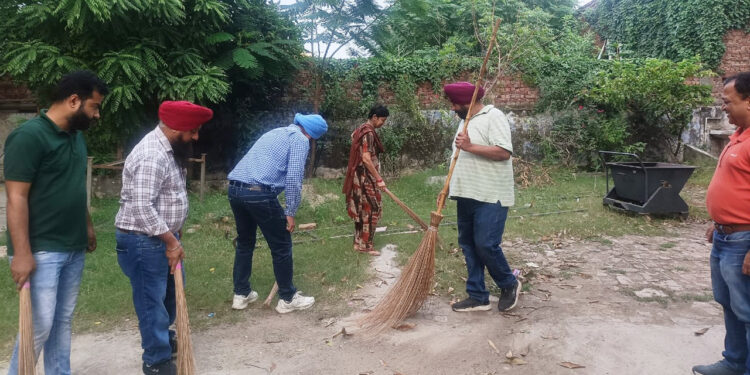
x,y
251,187
732,228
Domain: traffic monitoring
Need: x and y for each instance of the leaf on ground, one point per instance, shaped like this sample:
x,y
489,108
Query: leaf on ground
x,y
516,361
450,289
273,367
701,331
571,365
492,344
405,326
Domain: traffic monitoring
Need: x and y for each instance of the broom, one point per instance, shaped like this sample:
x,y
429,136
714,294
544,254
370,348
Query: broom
x,y
412,214
185,359
406,209
415,283
26,355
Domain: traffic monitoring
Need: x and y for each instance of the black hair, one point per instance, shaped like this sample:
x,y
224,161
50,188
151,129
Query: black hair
x,y
82,83
378,110
741,84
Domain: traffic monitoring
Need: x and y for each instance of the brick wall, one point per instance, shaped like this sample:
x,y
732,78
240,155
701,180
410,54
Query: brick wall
x,y
15,97
736,59
509,92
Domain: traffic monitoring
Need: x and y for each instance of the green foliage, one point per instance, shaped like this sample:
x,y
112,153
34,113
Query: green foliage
x,y
655,95
670,29
147,51
577,135
342,76
448,27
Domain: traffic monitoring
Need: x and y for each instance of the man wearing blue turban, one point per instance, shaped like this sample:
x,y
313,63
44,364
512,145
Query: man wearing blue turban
x,y
275,163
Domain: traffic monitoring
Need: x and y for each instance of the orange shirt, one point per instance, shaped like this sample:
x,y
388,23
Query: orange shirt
x,y
728,196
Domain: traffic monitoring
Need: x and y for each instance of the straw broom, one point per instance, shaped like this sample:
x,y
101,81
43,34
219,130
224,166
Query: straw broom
x,y
412,214
185,359
26,355
415,283
406,209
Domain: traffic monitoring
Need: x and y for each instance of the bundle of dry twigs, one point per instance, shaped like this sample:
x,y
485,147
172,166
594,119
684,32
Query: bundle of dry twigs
x,y
185,359
26,355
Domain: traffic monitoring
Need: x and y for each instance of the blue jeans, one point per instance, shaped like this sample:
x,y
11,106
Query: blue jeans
x,y
732,291
54,290
144,261
259,208
480,232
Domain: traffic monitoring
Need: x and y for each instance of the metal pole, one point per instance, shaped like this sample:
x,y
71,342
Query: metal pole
x,y
89,187
203,175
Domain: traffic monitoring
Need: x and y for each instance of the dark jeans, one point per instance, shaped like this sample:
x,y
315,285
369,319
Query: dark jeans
x,y
144,262
732,291
254,208
480,232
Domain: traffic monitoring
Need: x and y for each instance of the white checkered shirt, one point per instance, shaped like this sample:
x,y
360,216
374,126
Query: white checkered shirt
x,y
154,198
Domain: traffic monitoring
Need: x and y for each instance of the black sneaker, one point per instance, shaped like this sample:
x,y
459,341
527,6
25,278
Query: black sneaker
x,y
509,297
173,345
470,304
166,367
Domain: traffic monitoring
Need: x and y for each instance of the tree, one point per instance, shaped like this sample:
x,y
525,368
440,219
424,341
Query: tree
x,y
146,50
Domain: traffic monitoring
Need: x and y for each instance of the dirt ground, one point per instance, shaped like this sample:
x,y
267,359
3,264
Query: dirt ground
x,y
625,305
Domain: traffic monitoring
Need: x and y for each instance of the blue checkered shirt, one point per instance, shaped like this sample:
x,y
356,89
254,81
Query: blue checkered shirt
x,y
277,159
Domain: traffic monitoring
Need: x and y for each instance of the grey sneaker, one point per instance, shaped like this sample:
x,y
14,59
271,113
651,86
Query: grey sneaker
x,y
470,304
240,302
298,302
509,297
719,368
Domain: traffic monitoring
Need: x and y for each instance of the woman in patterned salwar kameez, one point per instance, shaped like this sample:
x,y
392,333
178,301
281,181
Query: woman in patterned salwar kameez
x,y
363,182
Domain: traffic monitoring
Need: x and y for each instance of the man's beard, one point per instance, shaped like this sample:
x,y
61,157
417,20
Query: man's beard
x,y
80,120
462,113
182,152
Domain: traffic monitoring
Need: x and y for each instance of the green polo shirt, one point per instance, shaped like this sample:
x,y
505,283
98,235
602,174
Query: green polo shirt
x,y
54,162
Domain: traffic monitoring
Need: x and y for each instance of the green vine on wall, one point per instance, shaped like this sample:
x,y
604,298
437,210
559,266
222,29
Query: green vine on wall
x,y
372,73
671,29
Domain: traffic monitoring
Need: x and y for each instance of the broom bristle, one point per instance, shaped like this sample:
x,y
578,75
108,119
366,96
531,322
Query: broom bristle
x,y
185,359
26,355
411,289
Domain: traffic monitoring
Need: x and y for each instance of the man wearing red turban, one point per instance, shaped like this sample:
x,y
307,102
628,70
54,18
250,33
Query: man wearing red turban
x,y
482,186
153,208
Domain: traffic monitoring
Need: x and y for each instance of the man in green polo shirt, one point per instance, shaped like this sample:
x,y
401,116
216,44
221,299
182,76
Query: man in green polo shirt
x,y
49,228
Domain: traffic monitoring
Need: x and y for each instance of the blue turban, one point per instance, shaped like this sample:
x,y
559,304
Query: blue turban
x,y
314,125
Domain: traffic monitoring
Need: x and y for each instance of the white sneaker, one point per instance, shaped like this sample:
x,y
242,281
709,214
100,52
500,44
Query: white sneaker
x,y
240,302
298,302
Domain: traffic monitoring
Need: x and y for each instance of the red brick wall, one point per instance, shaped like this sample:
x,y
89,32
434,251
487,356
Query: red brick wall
x,y
509,92
736,59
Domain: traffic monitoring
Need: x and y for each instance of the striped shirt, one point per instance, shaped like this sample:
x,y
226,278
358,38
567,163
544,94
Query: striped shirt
x,y
477,177
277,159
154,198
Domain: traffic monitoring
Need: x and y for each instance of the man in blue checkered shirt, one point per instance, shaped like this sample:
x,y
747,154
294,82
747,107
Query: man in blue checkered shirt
x,y
275,163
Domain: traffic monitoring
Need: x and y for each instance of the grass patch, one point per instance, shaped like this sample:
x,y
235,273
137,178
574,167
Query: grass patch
x,y
326,267
667,245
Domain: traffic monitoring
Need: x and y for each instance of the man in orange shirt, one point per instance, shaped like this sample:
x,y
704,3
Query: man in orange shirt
x,y
728,203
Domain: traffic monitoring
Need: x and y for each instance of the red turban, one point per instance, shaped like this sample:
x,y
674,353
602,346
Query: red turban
x,y
183,116
461,92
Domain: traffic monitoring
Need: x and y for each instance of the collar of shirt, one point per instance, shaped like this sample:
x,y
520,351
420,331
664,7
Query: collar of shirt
x,y
739,135
163,140
43,115
485,110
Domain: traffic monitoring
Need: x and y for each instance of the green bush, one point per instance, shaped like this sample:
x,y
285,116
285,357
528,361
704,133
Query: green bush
x,y
578,134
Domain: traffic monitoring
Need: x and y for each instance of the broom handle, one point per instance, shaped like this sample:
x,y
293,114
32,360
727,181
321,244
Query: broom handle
x,y
271,294
443,193
406,209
